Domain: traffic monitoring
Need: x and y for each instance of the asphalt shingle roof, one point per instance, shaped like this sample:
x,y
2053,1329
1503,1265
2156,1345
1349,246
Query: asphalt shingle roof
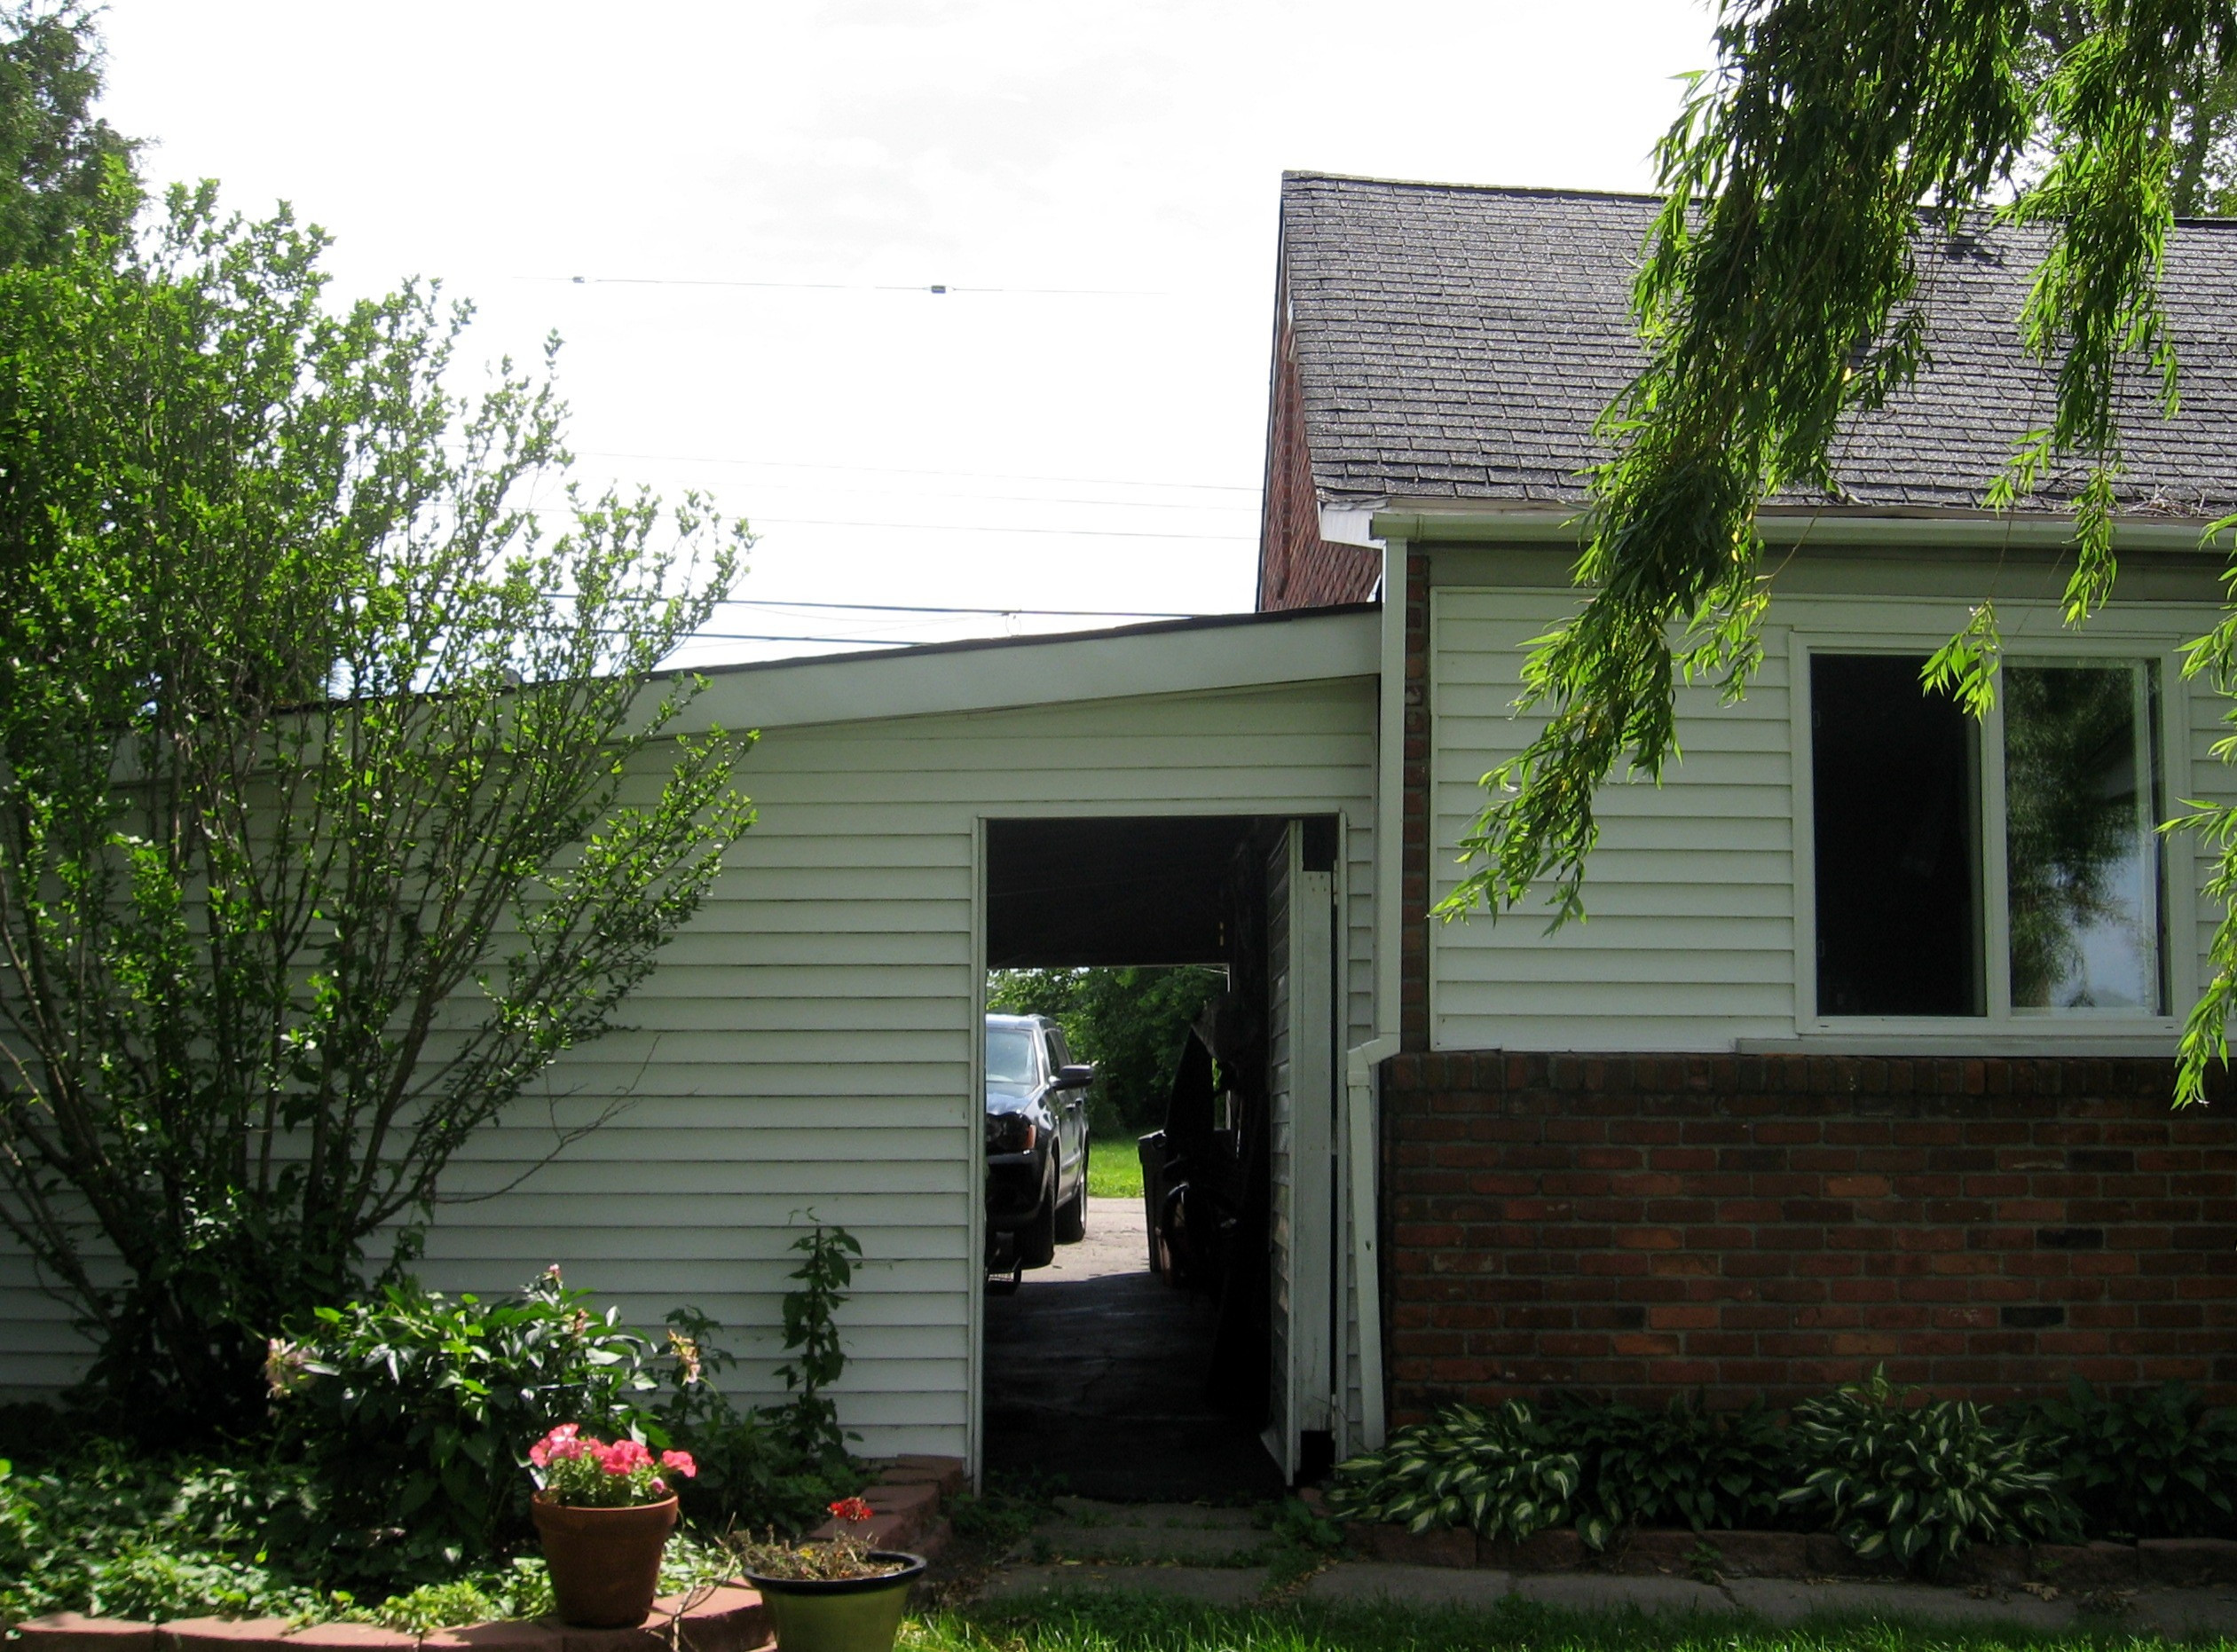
x,y
1458,343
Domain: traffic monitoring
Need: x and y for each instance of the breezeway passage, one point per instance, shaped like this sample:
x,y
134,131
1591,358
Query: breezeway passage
x,y
1095,1379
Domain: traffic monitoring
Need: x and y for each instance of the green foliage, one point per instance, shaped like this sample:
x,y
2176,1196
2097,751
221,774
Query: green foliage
x,y
114,1535
811,1334
61,170
1918,1482
1682,1466
314,843
1130,1022
414,1413
2153,1463
1502,1472
1810,180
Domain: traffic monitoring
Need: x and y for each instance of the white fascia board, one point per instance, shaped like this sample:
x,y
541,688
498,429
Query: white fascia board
x,y
1349,524
1427,521
856,688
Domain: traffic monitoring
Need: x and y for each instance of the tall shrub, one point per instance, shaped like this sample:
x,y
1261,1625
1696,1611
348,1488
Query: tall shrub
x,y
320,832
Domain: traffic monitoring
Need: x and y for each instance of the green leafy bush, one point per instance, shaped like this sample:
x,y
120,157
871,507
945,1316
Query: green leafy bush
x,y
1682,1466
2153,1463
414,1413
1501,1472
1918,1482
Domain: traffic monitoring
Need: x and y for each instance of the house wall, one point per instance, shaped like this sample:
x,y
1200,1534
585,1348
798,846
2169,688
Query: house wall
x,y
1713,1190
1698,935
1644,1226
807,1043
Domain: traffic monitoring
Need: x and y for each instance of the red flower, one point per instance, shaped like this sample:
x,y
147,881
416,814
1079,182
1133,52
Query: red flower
x,y
850,1509
681,1461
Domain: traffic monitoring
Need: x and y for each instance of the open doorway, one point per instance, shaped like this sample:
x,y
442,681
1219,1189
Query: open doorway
x,y
1155,1353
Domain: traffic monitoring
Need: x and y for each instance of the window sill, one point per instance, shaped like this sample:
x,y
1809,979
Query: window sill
x,y
2002,1040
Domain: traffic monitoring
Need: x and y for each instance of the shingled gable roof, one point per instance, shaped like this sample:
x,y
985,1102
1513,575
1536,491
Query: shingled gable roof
x,y
1457,342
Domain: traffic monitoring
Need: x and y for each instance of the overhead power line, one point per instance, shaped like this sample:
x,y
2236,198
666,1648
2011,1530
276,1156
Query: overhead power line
x,y
935,288
913,608
957,527
900,470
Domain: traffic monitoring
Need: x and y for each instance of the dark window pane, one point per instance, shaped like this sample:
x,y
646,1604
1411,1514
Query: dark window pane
x,y
1898,864
2082,856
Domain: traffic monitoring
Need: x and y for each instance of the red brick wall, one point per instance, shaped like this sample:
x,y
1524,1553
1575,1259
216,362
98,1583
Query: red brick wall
x,y
1297,567
1643,1225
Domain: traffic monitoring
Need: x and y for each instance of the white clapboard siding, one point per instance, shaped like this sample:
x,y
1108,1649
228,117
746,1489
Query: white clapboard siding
x,y
1692,938
807,1043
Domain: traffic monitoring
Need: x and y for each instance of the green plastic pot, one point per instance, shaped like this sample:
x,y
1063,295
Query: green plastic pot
x,y
842,1613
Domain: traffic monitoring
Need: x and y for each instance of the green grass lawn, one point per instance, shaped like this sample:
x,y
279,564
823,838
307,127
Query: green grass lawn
x,y
1114,1168
1141,1623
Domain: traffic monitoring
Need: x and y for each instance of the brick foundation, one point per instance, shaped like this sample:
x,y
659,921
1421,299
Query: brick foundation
x,y
1642,1225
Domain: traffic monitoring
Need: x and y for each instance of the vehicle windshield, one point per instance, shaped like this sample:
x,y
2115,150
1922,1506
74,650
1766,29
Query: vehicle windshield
x,y
1010,1055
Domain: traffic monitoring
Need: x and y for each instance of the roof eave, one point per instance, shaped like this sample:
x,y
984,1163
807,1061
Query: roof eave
x,y
1417,521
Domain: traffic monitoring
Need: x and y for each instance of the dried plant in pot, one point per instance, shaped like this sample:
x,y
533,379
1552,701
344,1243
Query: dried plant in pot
x,y
604,1510
833,1595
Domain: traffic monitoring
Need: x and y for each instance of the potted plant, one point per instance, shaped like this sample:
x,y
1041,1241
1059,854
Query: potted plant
x,y
604,1511
836,1595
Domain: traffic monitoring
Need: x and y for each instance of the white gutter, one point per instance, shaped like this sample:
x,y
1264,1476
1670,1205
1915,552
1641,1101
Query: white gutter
x,y
1561,524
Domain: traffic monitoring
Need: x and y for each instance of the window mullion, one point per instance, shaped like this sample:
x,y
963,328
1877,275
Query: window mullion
x,y
1996,906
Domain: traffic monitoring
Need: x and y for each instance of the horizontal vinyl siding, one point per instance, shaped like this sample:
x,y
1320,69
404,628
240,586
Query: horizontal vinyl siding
x,y
1714,843
1694,916
807,1042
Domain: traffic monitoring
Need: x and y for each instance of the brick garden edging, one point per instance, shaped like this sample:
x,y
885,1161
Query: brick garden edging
x,y
2180,1562
906,1491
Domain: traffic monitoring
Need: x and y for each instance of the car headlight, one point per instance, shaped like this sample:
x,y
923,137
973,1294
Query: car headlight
x,y
1009,1133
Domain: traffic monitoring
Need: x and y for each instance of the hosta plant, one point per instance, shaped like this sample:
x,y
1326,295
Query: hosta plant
x,y
1919,1481
1501,1472
1681,1466
2151,1464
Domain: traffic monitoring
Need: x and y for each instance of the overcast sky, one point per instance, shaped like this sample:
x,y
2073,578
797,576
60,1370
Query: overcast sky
x,y
757,197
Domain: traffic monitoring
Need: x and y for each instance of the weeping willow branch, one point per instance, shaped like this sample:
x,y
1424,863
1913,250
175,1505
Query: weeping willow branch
x,y
1782,295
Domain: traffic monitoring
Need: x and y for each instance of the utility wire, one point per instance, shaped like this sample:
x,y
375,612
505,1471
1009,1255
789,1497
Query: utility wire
x,y
900,470
954,527
909,608
936,287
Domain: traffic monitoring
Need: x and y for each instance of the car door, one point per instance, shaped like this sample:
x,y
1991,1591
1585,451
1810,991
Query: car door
x,y
1070,1107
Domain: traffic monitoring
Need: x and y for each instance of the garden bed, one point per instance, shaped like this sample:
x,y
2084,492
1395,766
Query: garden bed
x,y
908,1492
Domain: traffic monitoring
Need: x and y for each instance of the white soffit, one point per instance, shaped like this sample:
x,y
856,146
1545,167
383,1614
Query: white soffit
x,y
1191,657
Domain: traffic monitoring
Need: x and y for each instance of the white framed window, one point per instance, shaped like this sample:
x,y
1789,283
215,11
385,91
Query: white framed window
x,y
1998,872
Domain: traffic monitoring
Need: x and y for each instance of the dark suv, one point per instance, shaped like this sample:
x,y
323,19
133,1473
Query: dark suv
x,y
1036,1143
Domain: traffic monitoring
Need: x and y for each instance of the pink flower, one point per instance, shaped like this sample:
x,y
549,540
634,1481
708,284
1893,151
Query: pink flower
x,y
624,1457
681,1461
560,1442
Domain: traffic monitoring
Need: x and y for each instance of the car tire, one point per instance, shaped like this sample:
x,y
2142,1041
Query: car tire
x,y
1071,1216
1036,1243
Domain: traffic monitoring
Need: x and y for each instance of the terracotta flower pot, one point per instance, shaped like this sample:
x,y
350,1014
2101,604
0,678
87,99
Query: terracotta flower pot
x,y
605,1562
841,1614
